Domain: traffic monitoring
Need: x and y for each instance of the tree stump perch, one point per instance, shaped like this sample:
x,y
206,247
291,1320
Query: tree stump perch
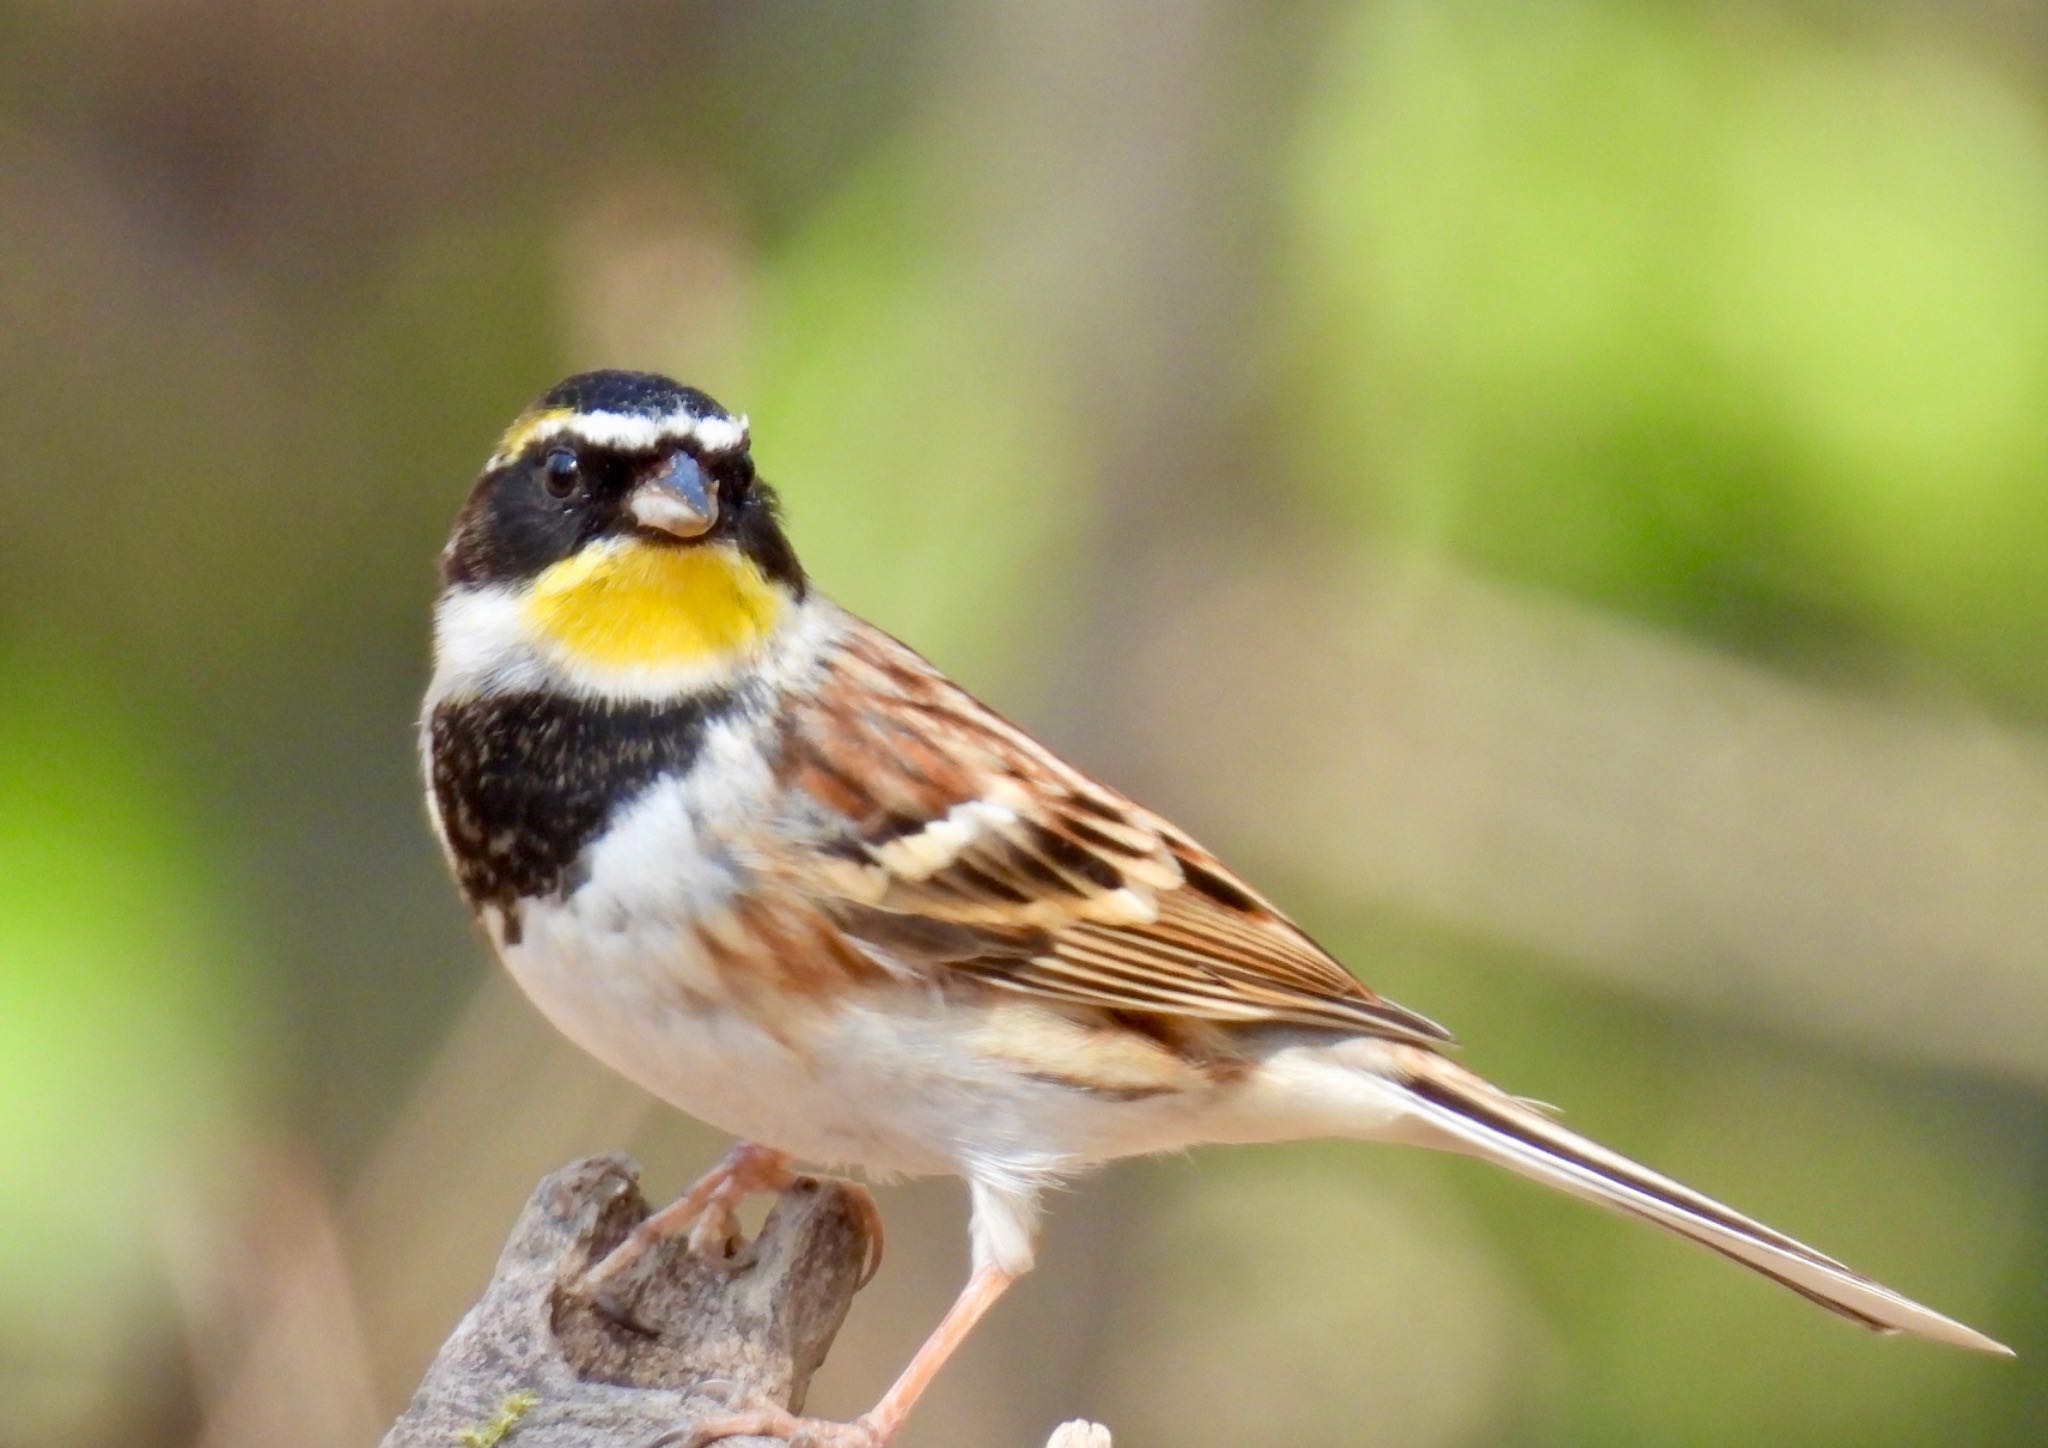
x,y
533,1366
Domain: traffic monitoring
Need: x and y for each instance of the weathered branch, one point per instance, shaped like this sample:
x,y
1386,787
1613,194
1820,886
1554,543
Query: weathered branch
x,y
532,1358
533,1366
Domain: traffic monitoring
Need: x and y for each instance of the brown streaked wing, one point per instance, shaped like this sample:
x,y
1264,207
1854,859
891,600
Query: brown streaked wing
x,y
969,846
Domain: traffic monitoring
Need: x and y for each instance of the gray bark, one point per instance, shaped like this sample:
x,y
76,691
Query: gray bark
x,y
537,1367
534,1366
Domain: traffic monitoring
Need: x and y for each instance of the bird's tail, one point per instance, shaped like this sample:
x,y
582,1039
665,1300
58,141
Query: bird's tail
x,y
1462,1112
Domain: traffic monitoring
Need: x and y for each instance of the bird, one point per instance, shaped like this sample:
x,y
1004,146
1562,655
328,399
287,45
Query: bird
x,y
764,860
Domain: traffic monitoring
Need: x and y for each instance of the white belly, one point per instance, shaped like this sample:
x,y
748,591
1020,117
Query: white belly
x,y
902,1080
896,1085
625,1000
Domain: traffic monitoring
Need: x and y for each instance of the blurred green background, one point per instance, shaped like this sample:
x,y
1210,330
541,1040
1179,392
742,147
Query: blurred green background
x,y
1558,493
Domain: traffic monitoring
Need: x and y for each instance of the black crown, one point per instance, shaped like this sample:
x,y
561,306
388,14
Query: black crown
x,y
637,394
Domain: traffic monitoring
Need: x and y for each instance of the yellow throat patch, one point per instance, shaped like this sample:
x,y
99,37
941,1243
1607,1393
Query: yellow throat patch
x,y
650,605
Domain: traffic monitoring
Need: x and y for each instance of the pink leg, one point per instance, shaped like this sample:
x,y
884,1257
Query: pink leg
x,y
874,1428
714,1219
746,1168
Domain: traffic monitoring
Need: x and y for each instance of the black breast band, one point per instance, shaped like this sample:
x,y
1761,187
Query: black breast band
x,y
524,782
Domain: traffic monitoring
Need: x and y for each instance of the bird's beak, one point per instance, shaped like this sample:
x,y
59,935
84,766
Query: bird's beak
x,y
675,500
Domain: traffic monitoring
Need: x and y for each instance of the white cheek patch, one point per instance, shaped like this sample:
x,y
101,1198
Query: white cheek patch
x,y
483,645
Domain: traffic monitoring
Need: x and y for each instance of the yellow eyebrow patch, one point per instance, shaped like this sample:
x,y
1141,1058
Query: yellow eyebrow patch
x,y
650,605
524,430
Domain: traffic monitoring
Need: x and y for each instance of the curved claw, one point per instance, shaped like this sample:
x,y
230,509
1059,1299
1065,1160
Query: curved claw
x,y
871,1219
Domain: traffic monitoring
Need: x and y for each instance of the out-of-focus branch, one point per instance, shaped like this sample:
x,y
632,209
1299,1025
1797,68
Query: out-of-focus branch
x,y
533,1366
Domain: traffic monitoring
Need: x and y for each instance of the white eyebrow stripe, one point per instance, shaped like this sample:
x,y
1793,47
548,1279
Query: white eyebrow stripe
x,y
638,432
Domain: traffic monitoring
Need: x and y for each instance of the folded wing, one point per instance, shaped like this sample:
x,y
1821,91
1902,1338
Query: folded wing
x,y
955,841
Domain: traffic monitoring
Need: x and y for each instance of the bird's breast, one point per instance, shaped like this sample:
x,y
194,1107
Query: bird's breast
x,y
527,785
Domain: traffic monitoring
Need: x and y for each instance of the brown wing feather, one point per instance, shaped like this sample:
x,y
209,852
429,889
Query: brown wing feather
x,y
959,842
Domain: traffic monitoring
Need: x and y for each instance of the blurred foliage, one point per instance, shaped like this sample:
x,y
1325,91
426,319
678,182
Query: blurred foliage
x,y
1717,330
1695,312
951,455
129,1038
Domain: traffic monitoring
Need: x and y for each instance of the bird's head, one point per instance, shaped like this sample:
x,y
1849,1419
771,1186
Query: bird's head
x,y
618,540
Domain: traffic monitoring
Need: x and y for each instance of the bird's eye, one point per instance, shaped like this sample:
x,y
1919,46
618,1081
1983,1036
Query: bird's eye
x,y
561,473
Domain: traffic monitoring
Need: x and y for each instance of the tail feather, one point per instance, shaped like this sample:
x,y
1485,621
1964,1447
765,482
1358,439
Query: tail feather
x,y
1465,1113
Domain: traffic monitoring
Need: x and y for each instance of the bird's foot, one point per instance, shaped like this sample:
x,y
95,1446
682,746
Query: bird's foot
x,y
706,1210
715,1228
745,1170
